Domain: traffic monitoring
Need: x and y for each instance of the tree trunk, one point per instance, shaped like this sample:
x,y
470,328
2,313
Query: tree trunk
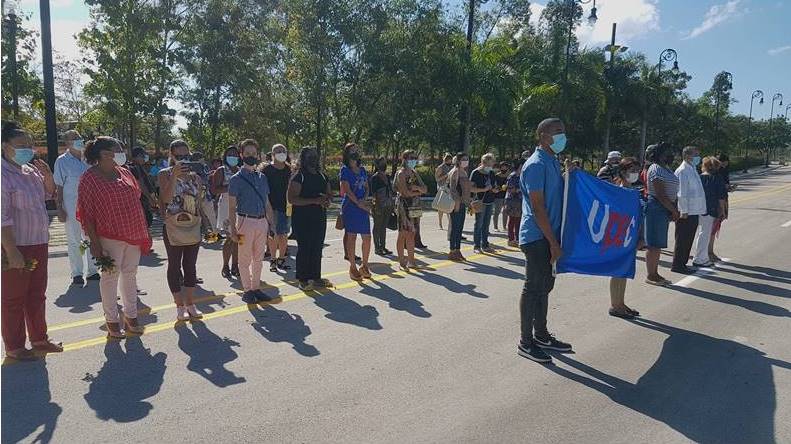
x,y
215,118
643,130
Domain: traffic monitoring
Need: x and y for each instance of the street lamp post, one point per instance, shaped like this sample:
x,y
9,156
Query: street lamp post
x,y
9,10
728,77
757,94
49,83
776,97
666,55
592,20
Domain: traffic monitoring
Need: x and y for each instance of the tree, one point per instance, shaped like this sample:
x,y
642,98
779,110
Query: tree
x,y
28,82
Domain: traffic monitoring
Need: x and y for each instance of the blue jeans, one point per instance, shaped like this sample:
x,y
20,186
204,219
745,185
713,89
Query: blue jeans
x,y
482,220
456,227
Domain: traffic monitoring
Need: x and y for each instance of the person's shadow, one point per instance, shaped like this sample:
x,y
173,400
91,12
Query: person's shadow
x,y
281,326
451,285
79,299
711,390
27,403
394,298
129,376
208,353
347,311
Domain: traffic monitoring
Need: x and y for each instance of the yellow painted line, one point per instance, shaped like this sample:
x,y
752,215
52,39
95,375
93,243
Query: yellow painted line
x,y
163,326
212,297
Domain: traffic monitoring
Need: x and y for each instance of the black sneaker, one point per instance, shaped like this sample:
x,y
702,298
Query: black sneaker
x,y
77,280
533,353
235,271
94,277
683,270
226,272
250,297
262,297
282,266
551,343
273,266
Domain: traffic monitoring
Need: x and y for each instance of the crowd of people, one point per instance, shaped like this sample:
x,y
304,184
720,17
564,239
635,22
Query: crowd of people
x,y
254,201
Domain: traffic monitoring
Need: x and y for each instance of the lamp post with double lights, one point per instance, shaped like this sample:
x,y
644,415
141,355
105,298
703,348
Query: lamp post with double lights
x,y
757,94
726,80
776,97
572,5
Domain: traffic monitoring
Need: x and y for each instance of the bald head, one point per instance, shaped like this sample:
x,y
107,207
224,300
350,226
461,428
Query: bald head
x,y
548,128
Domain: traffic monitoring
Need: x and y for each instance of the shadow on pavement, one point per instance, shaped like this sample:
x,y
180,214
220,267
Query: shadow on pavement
x,y
708,389
394,298
277,325
755,287
129,376
347,311
765,270
450,285
27,403
758,276
80,299
152,260
755,306
208,353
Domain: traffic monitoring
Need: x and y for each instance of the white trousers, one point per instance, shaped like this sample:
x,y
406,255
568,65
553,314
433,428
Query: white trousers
x,y
704,236
74,237
126,257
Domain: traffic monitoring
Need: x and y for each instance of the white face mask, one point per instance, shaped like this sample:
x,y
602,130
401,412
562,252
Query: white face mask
x,y
120,159
465,163
281,157
632,177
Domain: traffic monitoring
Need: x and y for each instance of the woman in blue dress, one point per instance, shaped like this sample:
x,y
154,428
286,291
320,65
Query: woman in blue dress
x,y
355,211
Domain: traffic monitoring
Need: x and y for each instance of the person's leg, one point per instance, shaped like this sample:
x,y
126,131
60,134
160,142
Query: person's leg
x,y
245,228
505,216
226,252
317,249
487,219
513,228
418,241
685,234
476,234
15,285
652,263
540,261
410,244
498,207
456,227
108,285
282,245
400,244
366,249
189,260
74,239
259,235
702,250
350,242
617,292
174,274
302,264
127,270
35,303
378,247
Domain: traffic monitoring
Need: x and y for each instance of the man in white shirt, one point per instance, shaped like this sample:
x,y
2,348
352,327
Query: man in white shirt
x,y
69,167
691,204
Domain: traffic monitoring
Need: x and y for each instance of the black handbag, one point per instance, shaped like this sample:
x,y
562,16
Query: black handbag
x,y
392,221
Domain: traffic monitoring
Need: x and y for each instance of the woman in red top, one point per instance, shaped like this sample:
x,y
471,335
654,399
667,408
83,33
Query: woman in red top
x,y
108,207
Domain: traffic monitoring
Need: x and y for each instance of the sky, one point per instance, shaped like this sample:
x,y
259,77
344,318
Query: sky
x,y
748,38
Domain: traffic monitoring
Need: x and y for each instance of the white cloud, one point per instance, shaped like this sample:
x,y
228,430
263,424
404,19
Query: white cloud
x,y
779,50
634,18
717,15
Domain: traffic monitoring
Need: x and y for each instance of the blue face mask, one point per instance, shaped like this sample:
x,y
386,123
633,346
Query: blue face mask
x,y
23,155
696,161
232,161
412,163
78,145
558,143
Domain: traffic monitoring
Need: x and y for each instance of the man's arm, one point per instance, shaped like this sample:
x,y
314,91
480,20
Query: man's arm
x,y
683,193
232,218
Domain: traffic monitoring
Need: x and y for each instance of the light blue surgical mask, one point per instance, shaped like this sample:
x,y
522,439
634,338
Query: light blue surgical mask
x,y
411,163
23,155
232,160
145,158
78,145
558,143
695,160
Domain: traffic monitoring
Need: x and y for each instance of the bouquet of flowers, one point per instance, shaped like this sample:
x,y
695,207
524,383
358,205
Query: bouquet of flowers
x,y
211,237
241,239
105,264
30,264
84,246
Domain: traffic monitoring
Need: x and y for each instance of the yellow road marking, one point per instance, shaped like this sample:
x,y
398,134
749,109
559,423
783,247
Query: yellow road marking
x,y
162,326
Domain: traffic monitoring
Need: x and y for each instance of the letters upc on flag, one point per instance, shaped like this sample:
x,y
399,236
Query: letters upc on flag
x,y
600,228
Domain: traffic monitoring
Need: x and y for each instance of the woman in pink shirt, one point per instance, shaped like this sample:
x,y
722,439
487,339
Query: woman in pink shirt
x,y
25,238
108,207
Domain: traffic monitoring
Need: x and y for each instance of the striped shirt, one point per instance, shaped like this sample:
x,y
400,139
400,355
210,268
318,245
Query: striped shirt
x,y
668,179
113,207
23,197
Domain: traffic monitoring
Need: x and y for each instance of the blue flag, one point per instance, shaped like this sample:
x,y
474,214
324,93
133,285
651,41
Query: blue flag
x,y
600,228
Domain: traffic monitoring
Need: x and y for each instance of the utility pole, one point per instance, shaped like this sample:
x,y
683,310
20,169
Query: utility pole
x,y
613,49
49,84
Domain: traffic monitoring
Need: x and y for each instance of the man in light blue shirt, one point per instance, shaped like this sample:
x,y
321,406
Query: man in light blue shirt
x,y
542,206
69,167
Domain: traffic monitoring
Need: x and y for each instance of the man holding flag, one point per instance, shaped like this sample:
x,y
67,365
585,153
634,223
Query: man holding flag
x,y
542,205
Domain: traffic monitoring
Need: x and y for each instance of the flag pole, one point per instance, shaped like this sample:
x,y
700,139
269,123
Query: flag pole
x,y
563,214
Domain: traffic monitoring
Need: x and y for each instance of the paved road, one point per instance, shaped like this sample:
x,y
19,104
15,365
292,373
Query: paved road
x,y
430,356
